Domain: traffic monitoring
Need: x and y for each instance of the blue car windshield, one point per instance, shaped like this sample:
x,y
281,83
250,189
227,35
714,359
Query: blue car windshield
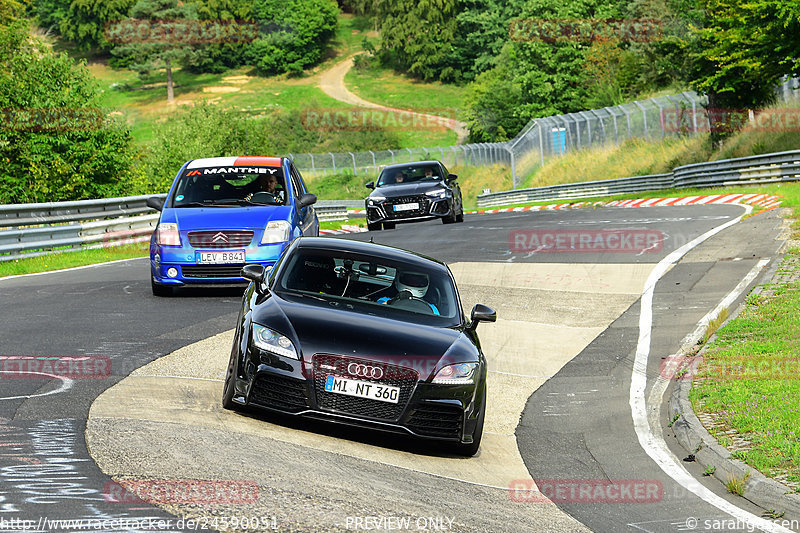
x,y
409,174
227,186
370,285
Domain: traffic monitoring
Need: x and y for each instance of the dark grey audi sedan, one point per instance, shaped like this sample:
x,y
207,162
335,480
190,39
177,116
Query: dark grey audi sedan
x,y
361,334
411,192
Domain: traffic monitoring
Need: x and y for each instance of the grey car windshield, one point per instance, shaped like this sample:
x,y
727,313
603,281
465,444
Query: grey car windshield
x,y
409,174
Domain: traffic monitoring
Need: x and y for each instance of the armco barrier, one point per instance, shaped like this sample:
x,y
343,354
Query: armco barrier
x,y
38,229
753,170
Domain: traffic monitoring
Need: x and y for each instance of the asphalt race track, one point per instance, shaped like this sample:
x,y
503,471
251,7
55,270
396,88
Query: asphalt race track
x,y
562,360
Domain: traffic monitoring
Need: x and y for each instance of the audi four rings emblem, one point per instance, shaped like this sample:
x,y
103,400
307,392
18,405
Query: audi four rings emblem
x,y
365,371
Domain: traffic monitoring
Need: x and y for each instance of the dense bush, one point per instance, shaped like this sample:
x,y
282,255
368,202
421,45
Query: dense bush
x,y
55,143
297,32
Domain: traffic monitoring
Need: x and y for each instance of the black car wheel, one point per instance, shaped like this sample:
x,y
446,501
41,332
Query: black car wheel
x,y
160,290
373,226
449,219
228,389
471,449
460,216
388,225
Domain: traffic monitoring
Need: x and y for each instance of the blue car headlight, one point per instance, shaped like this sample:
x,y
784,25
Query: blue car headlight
x,y
272,341
276,231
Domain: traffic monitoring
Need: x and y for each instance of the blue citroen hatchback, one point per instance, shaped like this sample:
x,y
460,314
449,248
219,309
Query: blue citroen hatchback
x,y
224,212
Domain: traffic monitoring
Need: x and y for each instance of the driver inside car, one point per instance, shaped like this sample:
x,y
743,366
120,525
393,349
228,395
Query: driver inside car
x,y
268,183
410,286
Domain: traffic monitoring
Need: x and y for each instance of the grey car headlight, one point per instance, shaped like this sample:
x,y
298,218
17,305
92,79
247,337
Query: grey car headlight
x,y
438,193
272,341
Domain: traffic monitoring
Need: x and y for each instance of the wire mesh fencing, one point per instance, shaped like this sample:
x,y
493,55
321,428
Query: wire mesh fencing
x,y
675,115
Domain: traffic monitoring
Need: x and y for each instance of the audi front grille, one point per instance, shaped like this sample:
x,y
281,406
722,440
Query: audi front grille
x,y
397,376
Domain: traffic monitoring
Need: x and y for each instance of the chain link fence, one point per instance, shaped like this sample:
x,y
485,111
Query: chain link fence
x,y
653,119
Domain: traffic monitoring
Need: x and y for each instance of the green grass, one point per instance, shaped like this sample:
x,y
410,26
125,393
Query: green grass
x,y
57,261
750,380
384,86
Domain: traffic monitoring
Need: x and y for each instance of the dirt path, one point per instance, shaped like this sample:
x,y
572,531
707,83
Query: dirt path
x,y
332,83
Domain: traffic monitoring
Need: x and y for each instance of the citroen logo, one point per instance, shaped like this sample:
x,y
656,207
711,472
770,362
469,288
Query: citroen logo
x,y
219,237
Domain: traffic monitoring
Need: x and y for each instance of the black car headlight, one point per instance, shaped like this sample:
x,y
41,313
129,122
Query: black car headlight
x,y
438,193
458,374
272,341
376,200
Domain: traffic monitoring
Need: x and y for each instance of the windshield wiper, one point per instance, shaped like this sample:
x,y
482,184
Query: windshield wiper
x,y
194,204
240,201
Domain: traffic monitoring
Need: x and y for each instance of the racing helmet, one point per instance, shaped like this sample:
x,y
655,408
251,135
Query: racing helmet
x,y
416,283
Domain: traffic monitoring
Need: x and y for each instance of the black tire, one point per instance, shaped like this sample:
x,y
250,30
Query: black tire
x,y
388,225
373,226
460,216
160,290
449,219
468,450
228,389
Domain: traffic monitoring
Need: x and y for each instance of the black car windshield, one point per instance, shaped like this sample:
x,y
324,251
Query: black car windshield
x,y
409,174
230,186
404,291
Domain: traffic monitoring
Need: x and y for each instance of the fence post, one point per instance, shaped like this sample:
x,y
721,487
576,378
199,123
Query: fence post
x,y
513,167
455,156
660,117
374,164
567,135
392,152
410,155
616,130
588,126
441,151
354,162
541,143
627,119
689,97
312,163
644,116
333,160
602,125
577,129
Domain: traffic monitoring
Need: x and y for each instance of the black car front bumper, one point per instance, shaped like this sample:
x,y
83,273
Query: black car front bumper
x,y
429,209
424,410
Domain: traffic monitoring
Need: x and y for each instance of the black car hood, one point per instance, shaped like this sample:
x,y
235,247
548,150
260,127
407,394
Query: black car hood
x,y
318,327
407,189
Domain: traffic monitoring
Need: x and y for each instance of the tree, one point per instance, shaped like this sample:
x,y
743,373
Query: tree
x,y
168,37
739,53
56,143
297,32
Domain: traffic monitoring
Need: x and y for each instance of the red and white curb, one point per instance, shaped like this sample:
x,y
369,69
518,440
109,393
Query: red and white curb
x,y
765,201
345,229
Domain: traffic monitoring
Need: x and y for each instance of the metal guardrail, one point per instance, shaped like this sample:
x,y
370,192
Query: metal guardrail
x,y
752,170
39,229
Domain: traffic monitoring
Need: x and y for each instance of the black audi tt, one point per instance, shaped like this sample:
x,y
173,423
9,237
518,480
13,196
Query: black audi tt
x,y
362,334
411,192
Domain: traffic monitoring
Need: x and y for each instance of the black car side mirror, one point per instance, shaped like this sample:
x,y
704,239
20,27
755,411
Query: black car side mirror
x,y
451,177
481,313
370,185
154,202
306,200
257,274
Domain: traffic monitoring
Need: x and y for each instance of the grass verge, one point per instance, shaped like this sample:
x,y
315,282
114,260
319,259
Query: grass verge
x,y
68,259
749,381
